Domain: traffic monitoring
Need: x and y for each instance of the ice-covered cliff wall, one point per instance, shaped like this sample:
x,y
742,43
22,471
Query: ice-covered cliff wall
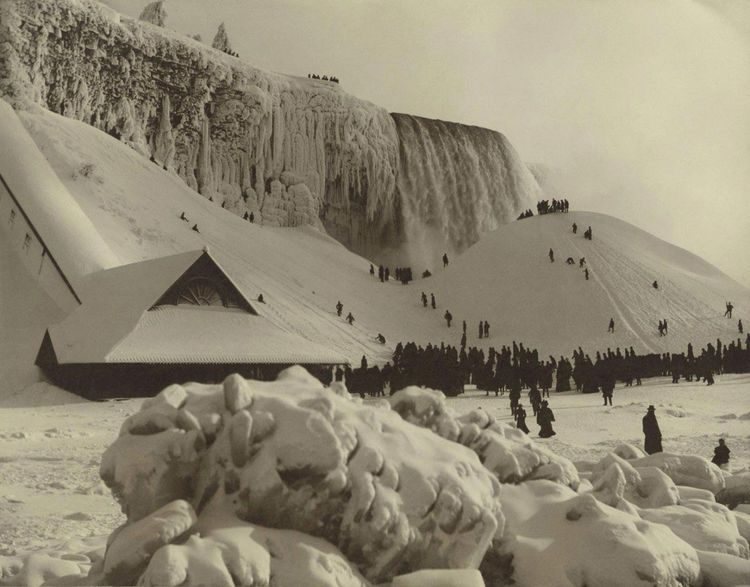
x,y
291,150
456,182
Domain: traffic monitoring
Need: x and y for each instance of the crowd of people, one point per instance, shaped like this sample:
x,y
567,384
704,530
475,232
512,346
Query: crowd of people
x,y
325,78
547,207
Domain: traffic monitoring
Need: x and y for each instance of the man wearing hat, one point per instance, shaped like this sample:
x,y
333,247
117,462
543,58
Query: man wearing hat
x,y
651,430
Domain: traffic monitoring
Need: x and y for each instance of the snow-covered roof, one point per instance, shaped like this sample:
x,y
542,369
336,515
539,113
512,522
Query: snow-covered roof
x,y
200,334
118,323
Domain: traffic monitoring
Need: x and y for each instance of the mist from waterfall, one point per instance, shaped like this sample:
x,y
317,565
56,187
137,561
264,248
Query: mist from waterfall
x,y
455,182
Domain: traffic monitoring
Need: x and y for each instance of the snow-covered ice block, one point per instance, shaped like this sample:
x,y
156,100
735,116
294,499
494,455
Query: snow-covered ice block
x,y
723,570
440,578
705,525
614,479
689,470
293,454
506,451
558,537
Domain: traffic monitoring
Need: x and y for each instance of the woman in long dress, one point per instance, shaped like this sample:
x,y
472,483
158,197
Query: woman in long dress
x,y
544,418
521,419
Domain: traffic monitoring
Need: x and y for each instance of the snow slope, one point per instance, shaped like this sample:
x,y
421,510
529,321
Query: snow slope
x,y
506,278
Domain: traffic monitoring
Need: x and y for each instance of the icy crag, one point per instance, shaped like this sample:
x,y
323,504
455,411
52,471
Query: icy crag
x,y
291,150
294,455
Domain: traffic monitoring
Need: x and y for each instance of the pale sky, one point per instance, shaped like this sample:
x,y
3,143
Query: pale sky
x,y
642,106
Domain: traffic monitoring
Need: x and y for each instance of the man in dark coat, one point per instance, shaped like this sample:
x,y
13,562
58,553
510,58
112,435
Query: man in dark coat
x,y
448,317
544,418
339,307
652,443
721,454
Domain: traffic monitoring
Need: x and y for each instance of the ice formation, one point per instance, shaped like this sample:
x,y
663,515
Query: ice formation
x,y
456,182
294,455
291,150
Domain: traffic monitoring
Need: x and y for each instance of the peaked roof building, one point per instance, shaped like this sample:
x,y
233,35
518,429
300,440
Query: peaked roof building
x,y
173,319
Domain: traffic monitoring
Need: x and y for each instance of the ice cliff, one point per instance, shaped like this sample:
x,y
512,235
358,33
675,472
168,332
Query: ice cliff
x,y
292,150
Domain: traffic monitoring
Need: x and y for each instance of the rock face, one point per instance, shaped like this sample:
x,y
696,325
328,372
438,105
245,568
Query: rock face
x,y
292,150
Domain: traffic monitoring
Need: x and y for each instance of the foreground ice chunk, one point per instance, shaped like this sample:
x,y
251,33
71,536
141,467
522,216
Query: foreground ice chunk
x,y
292,454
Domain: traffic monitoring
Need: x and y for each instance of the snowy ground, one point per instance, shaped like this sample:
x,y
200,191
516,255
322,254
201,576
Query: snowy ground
x,y
51,444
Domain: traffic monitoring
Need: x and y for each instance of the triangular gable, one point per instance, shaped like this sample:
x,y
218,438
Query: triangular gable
x,y
115,299
205,283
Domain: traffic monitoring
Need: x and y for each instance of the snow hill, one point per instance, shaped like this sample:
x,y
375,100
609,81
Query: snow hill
x,y
506,278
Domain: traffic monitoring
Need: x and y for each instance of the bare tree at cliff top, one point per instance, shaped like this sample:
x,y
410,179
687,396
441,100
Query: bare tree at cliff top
x,y
221,40
154,13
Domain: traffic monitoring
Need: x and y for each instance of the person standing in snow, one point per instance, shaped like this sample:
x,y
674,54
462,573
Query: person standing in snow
x,y
183,217
661,328
387,274
575,228
432,301
551,256
195,228
666,327
448,317
728,313
381,273
464,326
544,418
611,325
655,284
652,441
739,327
586,272
350,318
521,419
445,260
463,340
372,270
424,299
486,329
251,218
721,454
339,308
481,329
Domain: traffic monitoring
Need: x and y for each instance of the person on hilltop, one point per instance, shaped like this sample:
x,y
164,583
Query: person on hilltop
x,y
448,317
339,308
611,325
652,441
544,418
521,419
350,318
551,256
445,259
432,301
424,299
721,454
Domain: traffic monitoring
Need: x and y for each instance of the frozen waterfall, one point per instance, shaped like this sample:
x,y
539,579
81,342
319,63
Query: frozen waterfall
x,y
455,182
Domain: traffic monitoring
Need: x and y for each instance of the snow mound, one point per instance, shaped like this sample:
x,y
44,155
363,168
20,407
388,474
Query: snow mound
x,y
503,449
689,470
294,455
723,570
615,479
705,525
558,537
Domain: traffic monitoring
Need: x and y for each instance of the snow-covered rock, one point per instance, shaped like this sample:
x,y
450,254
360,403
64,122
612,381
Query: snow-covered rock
x,y
558,537
704,525
615,479
689,470
292,454
506,451
723,570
